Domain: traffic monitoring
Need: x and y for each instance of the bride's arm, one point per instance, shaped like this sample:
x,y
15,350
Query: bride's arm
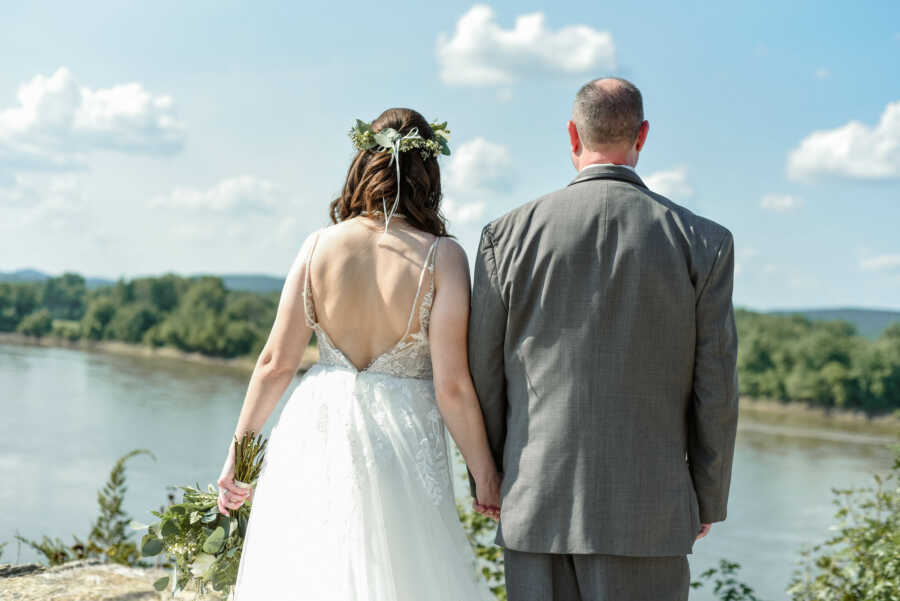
x,y
275,367
453,386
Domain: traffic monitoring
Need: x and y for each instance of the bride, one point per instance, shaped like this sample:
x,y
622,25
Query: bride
x,y
355,498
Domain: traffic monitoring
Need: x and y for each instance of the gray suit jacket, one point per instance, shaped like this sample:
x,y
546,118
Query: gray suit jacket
x,y
603,348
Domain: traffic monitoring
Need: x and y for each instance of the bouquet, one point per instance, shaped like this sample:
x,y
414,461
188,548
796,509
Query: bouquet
x,y
206,544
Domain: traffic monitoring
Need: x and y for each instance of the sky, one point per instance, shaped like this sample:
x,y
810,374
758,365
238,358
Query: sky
x,y
210,137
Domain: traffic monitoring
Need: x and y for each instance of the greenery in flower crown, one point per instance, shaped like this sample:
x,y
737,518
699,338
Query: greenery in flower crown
x,y
365,139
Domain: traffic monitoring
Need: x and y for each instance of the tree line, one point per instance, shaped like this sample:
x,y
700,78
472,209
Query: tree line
x,y
195,314
789,358
826,363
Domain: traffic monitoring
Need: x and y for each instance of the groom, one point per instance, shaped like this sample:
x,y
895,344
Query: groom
x,y
603,349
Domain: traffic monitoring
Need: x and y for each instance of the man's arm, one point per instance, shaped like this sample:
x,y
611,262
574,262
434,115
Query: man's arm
x,y
714,409
487,331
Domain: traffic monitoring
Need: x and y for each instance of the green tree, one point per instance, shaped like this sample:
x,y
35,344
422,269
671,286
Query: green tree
x,y
99,313
130,322
64,296
16,301
37,324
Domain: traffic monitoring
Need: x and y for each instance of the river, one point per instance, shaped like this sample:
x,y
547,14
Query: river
x,y
68,414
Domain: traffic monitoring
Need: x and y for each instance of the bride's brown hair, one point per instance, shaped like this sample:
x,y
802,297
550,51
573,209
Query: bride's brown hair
x,y
372,177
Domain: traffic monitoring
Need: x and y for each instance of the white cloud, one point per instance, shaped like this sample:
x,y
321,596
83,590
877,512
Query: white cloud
x,y
478,169
17,192
822,73
237,195
671,183
481,53
780,203
56,204
57,121
852,150
478,163
881,263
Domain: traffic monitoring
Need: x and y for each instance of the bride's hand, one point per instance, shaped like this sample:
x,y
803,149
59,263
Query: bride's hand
x,y
231,496
487,496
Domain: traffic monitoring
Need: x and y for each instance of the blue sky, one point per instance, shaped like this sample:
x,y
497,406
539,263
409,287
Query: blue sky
x,y
210,137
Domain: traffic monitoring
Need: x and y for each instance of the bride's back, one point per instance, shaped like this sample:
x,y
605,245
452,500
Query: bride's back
x,y
363,284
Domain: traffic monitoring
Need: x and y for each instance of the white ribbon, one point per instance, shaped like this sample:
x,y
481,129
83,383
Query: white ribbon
x,y
395,158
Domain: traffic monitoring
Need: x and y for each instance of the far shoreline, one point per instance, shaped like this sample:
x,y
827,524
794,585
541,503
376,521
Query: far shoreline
x,y
770,412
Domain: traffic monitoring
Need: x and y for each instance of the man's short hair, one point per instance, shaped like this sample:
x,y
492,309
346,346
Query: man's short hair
x,y
608,114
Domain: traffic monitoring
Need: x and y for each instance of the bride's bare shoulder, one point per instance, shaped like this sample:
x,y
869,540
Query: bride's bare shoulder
x,y
450,262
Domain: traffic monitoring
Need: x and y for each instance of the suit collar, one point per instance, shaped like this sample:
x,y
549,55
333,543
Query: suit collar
x,y
608,172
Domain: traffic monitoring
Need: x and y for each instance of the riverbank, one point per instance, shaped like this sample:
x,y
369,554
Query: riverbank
x,y
117,347
771,413
793,415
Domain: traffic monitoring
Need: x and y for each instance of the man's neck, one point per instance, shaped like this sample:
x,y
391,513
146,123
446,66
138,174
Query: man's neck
x,y
597,158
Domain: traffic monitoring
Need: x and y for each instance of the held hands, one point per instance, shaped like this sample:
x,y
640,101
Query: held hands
x,y
704,530
231,496
487,496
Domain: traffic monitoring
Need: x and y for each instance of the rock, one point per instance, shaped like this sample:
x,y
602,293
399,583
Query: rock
x,y
87,580
19,570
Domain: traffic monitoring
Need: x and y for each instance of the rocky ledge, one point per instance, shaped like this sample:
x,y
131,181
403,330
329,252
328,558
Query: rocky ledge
x,y
86,580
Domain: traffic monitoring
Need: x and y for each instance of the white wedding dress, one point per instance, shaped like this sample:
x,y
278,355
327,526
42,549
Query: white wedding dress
x,y
355,499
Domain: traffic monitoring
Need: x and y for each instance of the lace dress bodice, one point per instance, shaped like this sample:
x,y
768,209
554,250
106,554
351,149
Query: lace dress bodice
x,y
410,357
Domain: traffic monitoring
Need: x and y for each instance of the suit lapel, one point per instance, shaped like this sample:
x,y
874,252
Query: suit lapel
x,y
609,172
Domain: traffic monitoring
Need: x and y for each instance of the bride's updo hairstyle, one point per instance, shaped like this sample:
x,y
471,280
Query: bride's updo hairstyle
x,y
372,176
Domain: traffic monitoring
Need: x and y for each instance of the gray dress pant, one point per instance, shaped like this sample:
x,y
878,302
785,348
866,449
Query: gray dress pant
x,y
594,577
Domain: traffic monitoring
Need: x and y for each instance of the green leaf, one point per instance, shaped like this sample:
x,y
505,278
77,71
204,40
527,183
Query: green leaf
x,y
215,540
151,547
161,583
169,528
135,525
387,136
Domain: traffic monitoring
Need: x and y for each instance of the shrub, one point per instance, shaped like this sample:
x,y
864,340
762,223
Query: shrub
x,y
109,537
862,561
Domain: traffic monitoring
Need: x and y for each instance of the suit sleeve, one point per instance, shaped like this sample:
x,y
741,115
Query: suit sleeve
x,y
487,332
713,412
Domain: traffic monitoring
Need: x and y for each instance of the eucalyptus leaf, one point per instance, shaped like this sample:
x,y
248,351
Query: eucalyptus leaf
x,y
151,547
169,528
215,540
161,583
202,563
387,136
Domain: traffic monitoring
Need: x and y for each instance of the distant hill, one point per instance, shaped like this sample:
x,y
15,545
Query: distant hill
x,y
253,283
23,275
869,322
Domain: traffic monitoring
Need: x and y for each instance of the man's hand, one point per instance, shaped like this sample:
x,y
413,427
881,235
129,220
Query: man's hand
x,y
704,530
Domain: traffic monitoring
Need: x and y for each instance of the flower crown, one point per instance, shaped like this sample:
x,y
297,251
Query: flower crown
x,y
389,138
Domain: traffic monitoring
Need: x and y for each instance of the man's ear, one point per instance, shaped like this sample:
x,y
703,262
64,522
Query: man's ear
x,y
642,135
574,140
